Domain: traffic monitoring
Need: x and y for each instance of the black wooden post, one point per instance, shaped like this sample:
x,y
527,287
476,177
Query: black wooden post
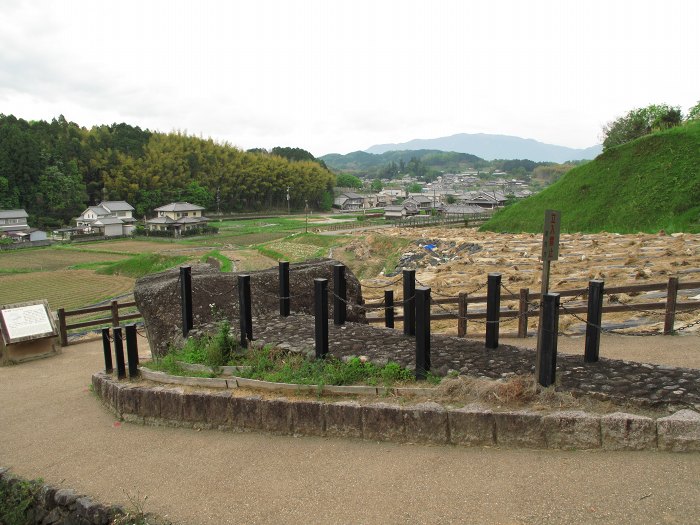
x,y
546,365
389,308
245,310
284,288
422,332
340,296
119,352
186,299
321,315
409,302
132,350
493,309
595,317
107,349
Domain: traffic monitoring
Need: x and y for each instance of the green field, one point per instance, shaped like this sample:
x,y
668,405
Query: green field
x,y
74,275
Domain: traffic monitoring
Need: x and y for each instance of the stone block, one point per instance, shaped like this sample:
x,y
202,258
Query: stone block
x,y
426,423
87,510
275,416
47,495
149,402
195,406
171,400
128,400
383,422
519,429
65,497
307,418
679,432
343,419
572,429
621,431
218,413
472,425
245,412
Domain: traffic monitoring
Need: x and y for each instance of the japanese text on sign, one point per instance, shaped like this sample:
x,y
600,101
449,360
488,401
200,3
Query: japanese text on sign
x,y
550,240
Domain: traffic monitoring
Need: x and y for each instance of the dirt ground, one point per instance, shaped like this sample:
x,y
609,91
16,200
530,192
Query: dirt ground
x,y
461,259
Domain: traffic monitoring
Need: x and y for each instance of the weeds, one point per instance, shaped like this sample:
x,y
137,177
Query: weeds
x,y
16,500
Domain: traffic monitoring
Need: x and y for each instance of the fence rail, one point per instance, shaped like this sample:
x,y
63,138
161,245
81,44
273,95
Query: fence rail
x,y
525,299
114,319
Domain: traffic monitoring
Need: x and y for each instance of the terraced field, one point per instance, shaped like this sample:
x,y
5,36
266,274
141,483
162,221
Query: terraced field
x,y
63,288
49,259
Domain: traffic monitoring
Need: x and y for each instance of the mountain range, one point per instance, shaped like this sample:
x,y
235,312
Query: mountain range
x,y
490,147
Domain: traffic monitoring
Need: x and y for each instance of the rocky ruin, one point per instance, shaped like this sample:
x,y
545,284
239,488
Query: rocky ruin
x,y
215,297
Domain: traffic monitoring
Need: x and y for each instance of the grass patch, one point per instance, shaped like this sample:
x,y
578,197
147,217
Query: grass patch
x,y
278,365
225,264
647,185
142,264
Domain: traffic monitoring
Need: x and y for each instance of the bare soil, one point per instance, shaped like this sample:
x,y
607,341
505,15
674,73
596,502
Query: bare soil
x,y
462,258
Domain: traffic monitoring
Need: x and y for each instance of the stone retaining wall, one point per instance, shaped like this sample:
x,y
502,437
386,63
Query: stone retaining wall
x,y
424,423
53,506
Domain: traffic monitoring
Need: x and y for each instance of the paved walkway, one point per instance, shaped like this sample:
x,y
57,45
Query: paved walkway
x,y
51,426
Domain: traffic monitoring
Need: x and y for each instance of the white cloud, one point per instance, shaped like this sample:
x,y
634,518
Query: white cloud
x,y
343,75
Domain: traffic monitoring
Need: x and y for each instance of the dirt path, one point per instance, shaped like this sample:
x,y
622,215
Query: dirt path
x,y
52,426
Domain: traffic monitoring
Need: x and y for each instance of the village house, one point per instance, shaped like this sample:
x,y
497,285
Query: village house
x,y
13,221
109,218
349,200
178,218
404,209
423,202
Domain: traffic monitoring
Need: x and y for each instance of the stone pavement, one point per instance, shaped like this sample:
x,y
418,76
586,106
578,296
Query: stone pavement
x,y
52,426
642,384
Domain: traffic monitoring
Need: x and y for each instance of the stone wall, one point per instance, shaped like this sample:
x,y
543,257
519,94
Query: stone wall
x,y
424,423
53,506
215,295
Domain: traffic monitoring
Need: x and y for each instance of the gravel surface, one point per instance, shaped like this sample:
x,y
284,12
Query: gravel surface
x,y
51,426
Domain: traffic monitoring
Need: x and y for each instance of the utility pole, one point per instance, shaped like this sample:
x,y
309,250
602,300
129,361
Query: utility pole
x,y
306,210
288,209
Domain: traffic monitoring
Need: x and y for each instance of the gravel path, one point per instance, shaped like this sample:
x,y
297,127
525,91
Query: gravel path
x,y
51,426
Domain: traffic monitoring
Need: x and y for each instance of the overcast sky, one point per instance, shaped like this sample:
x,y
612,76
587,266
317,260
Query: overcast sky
x,y
339,76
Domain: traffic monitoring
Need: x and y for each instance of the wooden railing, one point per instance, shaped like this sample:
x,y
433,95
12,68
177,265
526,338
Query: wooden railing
x,y
114,319
525,298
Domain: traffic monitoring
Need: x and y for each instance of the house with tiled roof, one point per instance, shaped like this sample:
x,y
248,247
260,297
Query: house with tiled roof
x,y
13,221
110,218
178,218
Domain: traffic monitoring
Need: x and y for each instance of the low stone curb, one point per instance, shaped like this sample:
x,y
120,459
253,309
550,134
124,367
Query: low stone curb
x,y
423,423
53,505
256,384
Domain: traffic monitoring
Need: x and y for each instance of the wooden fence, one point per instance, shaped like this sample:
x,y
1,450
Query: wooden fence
x,y
525,298
114,319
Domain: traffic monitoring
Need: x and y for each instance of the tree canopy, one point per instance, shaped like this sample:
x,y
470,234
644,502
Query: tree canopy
x,y
55,169
639,122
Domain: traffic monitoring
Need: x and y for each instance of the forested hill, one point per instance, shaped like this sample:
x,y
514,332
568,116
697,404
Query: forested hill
x,y
649,184
55,169
359,161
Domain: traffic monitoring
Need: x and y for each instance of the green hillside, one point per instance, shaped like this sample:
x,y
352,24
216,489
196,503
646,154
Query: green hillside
x,y
647,185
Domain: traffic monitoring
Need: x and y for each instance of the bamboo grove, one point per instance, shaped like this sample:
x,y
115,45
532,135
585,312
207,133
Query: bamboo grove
x,y
54,169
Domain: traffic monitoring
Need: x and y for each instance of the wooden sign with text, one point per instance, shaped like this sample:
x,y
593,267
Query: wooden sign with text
x,y
550,240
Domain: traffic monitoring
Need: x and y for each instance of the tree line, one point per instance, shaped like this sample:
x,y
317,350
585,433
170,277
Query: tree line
x,y
642,121
55,169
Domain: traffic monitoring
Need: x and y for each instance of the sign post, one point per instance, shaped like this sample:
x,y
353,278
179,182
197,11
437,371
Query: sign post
x,y
27,331
550,252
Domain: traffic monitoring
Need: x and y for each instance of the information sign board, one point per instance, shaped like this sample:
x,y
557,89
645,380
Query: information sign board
x,y
550,239
26,321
